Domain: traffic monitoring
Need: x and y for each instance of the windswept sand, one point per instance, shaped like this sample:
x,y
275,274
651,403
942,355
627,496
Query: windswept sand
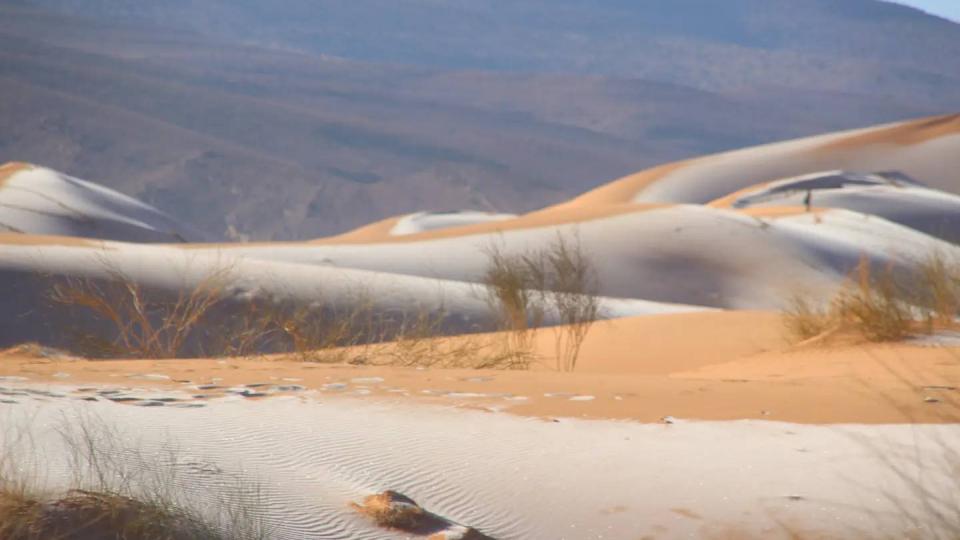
x,y
379,232
11,168
310,457
38,200
904,134
707,366
17,239
924,148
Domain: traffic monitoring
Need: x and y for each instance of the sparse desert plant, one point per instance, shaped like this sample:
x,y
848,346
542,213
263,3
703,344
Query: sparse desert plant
x,y
572,292
878,306
513,288
140,324
884,305
333,333
408,339
558,279
117,492
806,320
875,305
939,293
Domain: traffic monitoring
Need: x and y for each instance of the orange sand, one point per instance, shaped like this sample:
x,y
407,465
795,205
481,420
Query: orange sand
x,y
10,168
713,365
906,134
18,239
540,218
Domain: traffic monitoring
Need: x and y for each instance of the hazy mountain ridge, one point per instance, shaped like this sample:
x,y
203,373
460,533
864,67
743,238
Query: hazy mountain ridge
x,y
679,40
281,143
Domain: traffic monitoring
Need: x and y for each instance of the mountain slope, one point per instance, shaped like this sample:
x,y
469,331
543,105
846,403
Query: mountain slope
x,y
264,135
851,45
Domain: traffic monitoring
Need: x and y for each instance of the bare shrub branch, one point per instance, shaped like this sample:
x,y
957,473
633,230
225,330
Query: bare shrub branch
x,y
558,279
141,324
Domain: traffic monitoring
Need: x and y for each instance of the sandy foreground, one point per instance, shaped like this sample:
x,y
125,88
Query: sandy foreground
x,y
816,441
705,365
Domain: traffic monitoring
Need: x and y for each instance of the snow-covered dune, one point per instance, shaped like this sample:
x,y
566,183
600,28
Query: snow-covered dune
x,y
888,195
432,221
744,241
29,271
687,254
927,149
37,200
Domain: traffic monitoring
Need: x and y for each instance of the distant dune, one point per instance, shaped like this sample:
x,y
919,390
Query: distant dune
x,y
108,312
36,200
925,149
731,231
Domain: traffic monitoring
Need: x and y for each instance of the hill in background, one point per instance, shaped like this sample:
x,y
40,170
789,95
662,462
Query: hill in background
x,y
297,119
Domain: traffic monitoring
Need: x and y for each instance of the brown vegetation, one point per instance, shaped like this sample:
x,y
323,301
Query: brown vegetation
x,y
142,326
523,289
119,318
88,515
118,493
882,306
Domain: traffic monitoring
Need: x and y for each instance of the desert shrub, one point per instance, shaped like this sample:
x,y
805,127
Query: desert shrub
x,y
513,289
87,515
116,493
882,306
136,324
522,289
939,294
572,292
806,320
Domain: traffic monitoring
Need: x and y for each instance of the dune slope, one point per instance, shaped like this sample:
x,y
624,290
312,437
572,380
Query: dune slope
x,y
37,200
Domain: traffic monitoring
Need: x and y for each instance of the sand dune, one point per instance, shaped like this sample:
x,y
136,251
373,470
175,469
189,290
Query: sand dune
x,y
36,200
925,149
749,249
890,196
682,254
29,270
721,415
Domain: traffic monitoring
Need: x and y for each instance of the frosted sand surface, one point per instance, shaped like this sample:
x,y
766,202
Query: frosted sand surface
x,y
518,478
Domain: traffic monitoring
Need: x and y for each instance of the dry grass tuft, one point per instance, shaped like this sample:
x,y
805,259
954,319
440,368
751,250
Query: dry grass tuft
x,y
523,288
141,325
87,515
882,306
117,492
